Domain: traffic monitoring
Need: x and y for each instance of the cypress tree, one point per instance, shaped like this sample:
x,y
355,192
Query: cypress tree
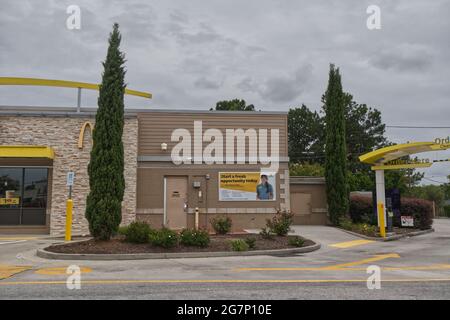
x,y
335,148
106,166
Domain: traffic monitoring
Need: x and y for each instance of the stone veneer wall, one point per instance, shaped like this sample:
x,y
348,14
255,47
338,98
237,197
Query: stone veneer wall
x,y
61,133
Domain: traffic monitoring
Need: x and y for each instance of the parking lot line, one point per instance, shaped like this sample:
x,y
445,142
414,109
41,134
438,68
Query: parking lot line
x,y
17,238
11,242
349,244
336,267
7,271
231,281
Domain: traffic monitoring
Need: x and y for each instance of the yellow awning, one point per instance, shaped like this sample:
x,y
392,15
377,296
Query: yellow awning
x,y
384,155
26,152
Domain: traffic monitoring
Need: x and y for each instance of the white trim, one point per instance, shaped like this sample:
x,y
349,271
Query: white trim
x,y
165,202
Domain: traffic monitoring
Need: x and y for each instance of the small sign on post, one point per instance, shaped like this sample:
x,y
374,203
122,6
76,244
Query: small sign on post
x,y
407,221
70,178
70,181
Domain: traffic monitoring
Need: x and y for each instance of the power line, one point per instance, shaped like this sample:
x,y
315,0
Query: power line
x,y
416,127
441,182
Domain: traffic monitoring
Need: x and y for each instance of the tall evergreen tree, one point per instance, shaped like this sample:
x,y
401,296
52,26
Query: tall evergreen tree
x,y
106,167
335,147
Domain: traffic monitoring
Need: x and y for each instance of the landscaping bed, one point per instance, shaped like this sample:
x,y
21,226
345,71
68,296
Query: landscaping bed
x,y
218,243
372,231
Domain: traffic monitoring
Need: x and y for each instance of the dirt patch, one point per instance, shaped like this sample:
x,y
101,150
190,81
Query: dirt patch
x,y
218,243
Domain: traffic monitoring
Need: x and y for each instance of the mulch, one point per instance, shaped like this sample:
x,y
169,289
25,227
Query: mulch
x,y
218,243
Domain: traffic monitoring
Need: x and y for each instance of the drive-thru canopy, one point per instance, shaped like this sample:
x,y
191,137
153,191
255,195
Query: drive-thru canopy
x,y
391,158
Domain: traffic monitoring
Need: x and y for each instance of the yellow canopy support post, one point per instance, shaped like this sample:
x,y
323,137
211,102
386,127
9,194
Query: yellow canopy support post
x,y
381,219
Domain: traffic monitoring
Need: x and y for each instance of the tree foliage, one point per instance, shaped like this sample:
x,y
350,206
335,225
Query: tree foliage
x,y
335,148
306,169
305,134
106,166
234,105
365,131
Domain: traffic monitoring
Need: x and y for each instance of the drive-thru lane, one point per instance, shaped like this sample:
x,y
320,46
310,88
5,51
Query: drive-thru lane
x,y
417,267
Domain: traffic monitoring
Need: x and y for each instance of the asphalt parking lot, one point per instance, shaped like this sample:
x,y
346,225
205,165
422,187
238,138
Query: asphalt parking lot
x,y
411,268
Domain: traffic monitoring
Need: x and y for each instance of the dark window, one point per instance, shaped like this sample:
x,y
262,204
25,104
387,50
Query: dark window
x,y
35,188
23,196
10,187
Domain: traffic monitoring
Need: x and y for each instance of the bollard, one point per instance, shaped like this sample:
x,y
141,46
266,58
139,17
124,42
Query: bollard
x,y
69,208
196,218
381,220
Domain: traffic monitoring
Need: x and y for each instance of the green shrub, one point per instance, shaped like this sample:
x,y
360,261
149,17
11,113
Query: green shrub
x,y
251,242
346,223
362,228
280,224
367,229
266,233
239,245
296,241
122,231
421,210
194,238
361,210
221,225
137,232
165,238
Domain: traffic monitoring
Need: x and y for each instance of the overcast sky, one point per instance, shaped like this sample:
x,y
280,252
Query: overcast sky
x,y
274,54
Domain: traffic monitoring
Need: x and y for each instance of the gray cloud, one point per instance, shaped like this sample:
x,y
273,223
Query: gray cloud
x,y
204,83
279,88
404,57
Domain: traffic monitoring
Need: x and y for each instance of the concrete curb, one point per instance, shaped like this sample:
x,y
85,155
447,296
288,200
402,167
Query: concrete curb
x,y
390,238
42,253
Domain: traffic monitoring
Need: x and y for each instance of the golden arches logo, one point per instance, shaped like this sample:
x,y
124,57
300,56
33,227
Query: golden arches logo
x,y
86,125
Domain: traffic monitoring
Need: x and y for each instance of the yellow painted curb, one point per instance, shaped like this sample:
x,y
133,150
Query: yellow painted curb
x,y
349,244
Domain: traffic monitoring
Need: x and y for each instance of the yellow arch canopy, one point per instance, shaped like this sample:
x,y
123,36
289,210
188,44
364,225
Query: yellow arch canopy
x,y
62,83
381,158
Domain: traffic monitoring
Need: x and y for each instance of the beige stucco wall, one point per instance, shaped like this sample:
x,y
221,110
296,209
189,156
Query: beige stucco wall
x,y
61,133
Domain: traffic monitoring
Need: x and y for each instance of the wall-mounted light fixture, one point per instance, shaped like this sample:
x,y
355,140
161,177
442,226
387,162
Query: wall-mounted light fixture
x,y
163,146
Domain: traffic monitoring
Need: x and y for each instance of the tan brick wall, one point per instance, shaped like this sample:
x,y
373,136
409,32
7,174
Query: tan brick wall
x,y
61,133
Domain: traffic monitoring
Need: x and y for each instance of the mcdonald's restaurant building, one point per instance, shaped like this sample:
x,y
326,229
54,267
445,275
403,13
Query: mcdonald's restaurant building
x,y
39,146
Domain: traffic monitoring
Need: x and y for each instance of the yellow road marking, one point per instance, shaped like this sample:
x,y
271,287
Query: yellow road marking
x,y
333,267
349,244
406,268
105,282
364,261
56,271
8,271
16,238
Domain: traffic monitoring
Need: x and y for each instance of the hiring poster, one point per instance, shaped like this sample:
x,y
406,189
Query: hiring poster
x,y
247,186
